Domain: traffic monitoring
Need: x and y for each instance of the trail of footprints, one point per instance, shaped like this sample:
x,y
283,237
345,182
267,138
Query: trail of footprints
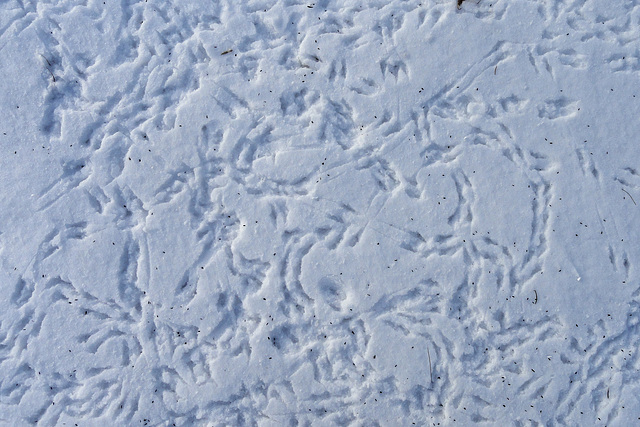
x,y
255,220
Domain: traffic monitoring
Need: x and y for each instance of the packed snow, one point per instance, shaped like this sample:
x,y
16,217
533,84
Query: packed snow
x,y
340,213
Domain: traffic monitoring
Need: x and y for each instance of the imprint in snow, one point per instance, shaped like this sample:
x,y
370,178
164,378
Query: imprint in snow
x,y
557,108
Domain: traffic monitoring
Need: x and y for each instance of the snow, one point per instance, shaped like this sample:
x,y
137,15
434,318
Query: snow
x,y
332,213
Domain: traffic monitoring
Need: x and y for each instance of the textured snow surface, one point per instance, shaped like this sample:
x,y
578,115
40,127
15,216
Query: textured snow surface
x,y
334,213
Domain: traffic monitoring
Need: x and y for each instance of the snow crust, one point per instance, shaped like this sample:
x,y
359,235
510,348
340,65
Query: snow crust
x,y
335,213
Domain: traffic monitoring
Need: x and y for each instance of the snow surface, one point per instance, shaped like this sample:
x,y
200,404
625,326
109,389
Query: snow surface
x,y
334,213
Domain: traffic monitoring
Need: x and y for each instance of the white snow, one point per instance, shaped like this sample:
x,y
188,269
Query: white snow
x,y
334,213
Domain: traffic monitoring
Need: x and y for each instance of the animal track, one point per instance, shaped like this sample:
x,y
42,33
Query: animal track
x,y
319,213
557,108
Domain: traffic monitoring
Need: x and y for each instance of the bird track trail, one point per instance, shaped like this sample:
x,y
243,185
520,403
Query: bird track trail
x,y
327,213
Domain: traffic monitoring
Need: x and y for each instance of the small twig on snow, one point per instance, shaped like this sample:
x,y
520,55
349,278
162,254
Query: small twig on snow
x,y
430,371
634,202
